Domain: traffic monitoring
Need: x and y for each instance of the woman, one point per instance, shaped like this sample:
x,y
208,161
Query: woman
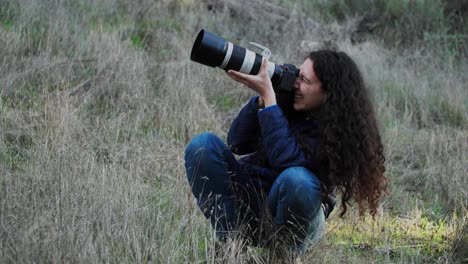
x,y
330,144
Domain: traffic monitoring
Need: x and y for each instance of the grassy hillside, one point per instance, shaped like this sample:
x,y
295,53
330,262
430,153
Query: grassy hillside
x,y
98,100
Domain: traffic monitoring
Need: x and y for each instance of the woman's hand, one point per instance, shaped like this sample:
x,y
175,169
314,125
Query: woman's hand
x,y
260,83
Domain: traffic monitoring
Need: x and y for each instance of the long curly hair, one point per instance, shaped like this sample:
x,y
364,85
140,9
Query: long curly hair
x,y
350,148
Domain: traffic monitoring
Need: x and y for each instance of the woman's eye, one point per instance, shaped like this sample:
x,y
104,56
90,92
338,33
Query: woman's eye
x,y
303,79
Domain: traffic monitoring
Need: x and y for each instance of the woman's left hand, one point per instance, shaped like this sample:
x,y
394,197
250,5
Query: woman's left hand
x,y
260,83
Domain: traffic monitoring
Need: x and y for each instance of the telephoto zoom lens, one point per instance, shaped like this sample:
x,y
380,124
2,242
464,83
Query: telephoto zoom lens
x,y
212,50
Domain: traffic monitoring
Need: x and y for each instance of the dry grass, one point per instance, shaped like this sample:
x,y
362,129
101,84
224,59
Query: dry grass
x,y
98,100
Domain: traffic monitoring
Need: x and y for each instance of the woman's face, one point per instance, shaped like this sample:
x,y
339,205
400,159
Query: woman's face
x,y
308,92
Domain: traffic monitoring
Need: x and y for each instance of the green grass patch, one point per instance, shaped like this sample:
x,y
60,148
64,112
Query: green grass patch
x,y
172,133
223,102
137,41
30,93
9,10
8,25
395,236
402,101
145,34
452,45
287,3
423,111
445,113
34,34
27,98
166,23
18,145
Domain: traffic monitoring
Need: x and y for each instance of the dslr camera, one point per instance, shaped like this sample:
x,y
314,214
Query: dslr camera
x,y
212,50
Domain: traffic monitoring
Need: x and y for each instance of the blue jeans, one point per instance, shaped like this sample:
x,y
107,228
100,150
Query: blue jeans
x,y
294,200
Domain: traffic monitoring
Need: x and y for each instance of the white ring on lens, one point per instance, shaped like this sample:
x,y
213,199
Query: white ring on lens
x,y
248,62
227,57
271,69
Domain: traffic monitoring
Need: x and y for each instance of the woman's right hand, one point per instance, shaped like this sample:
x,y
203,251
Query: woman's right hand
x,y
260,83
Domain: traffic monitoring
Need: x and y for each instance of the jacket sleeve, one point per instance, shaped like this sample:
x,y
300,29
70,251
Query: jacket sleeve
x,y
245,130
282,148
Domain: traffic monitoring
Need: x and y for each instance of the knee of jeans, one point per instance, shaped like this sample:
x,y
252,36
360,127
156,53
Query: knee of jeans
x,y
301,185
199,154
202,142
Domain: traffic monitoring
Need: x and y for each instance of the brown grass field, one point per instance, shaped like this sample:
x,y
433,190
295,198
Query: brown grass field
x,y
98,99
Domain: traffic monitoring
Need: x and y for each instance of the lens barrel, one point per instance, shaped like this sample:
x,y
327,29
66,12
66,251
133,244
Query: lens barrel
x,y
212,50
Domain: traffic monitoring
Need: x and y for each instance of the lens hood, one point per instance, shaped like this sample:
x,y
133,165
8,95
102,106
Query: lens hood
x,y
208,49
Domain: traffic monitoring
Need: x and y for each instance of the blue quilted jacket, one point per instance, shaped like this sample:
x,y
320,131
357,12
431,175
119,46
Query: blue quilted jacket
x,y
270,139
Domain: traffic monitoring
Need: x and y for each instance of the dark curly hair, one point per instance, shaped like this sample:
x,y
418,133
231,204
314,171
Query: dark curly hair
x,y
350,149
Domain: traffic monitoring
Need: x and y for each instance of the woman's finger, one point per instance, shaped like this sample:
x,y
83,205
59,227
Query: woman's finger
x,y
239,76
264,67
260,82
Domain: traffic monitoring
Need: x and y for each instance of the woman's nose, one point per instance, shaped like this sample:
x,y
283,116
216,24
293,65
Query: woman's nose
x,y
296,84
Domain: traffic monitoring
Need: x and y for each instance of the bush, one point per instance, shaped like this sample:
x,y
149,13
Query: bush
x,y
420,23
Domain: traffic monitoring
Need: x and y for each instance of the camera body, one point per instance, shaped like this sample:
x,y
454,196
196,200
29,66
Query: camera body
x,y
285,82
214,51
